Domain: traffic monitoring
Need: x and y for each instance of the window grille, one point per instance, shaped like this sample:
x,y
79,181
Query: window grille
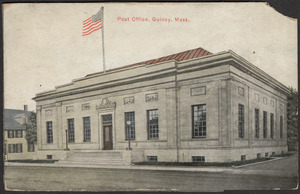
x,y
107,118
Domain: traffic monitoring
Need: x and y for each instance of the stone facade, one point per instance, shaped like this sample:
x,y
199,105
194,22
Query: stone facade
x,y
222,83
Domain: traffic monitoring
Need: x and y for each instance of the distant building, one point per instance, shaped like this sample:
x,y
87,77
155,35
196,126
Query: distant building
x,y
15,143
192,106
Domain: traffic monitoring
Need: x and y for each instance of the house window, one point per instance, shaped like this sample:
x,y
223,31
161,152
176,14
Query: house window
x,y
4,149
30,147
152,124
86,129
281,127
256,123
129,116
49,132
265,124
200,159
272,125
10,134
19,148
19,134
199,120
11,148
241,121
152,158
71,130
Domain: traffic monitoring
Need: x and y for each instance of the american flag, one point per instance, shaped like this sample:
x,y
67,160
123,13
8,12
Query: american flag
x,y
93,23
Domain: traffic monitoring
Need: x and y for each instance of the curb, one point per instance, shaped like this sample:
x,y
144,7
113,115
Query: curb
x,y
251,164
212,170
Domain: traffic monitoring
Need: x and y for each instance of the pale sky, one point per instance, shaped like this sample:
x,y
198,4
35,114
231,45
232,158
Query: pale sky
x,y
43,46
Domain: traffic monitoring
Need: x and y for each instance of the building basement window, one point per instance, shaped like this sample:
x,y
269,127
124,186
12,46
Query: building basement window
x,y
152,158
266,154
243,157
198,159
258,155
49,157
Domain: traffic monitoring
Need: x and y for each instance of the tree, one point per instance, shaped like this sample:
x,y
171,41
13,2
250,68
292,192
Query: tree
x,y
31,131
292,119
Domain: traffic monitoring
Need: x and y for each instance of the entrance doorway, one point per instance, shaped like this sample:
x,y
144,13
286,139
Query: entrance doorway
x,y
107,132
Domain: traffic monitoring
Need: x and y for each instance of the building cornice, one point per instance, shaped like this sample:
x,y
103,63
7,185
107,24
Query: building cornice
x,y
164,69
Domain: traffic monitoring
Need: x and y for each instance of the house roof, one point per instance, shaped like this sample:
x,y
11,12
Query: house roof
x,y
182,56
9,119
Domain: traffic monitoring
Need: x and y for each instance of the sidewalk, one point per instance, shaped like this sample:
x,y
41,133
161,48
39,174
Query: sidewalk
x,y
214,169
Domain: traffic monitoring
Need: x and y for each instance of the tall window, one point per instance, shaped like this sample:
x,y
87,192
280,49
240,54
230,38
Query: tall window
x,y
30,147
241,121
256,123
265,128
49,132
86,129
152,124
71,130
19,133
10,134
272,125
199,120
11,148
129,116
281,127
19,148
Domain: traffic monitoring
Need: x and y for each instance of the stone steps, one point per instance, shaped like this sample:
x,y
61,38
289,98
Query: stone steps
x,y
104,158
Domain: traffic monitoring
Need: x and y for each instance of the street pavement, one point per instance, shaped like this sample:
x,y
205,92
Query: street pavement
x,y
275,174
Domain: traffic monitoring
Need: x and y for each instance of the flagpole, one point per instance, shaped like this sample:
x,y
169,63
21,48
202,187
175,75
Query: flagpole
x,y
103,39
